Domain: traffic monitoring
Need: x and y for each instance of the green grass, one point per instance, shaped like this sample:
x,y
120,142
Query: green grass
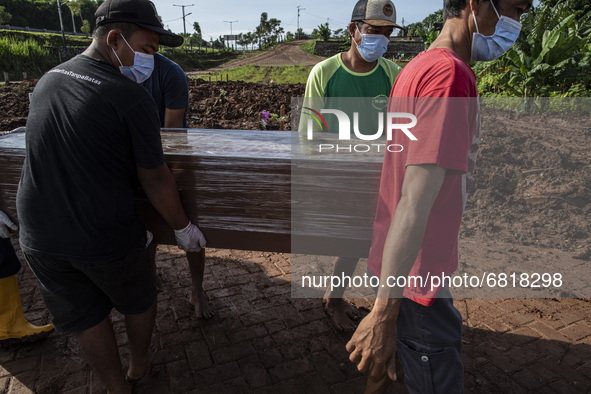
x,y
279,75
47,39
28,56
27,52
309,46
195,61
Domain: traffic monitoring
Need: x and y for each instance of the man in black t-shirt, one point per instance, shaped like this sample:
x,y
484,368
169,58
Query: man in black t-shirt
x,y
92,133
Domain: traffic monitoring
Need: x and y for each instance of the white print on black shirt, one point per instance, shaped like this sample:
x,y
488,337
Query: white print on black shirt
x,y
75,75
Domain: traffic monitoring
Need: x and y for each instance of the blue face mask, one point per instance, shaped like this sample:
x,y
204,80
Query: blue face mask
x,y
143,65
372,47
487,48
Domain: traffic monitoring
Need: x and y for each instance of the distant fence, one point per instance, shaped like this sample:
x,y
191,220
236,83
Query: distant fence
x,y
70,52
397,48
29,29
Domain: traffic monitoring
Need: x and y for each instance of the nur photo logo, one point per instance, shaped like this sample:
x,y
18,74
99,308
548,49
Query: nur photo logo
x,y
348,130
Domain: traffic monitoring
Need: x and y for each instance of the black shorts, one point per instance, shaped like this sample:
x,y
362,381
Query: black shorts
x,y
80,295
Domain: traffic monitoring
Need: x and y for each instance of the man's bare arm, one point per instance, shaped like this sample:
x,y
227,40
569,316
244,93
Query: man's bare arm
x,y
373,344
160,187
419,190
173,118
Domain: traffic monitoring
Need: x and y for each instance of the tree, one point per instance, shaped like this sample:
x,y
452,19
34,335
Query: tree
x,y
578,7
428,29
324,32
552,56
434,20
263,29
85,27
76,9
197,28
245,39
274,29
5,16
300,34
268,30
279,31
197,38
219,43
42,14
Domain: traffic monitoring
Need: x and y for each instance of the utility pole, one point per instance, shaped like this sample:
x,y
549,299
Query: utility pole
x,y
73,22
59,11
298,30
230,22
184,15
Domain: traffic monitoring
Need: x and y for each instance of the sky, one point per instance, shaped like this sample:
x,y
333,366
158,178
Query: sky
x,y
212,15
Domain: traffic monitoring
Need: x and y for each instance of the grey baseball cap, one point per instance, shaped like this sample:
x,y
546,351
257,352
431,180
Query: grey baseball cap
x,y
375,12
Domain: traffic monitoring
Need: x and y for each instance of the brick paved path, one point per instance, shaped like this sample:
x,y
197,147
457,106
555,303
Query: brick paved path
x,y
263,341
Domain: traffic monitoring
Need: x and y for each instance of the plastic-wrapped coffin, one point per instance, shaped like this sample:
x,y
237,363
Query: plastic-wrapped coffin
x,y
237,186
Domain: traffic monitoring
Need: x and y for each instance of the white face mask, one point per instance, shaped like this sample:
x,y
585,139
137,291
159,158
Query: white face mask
x,y
487,48
372,47
143,65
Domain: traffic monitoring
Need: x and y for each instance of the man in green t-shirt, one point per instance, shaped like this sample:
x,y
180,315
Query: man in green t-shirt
x,y
361,72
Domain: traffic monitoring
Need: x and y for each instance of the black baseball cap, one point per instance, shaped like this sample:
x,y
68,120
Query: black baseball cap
x,y
140,12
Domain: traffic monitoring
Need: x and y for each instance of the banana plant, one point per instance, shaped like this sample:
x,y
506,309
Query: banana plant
x,y
552,54
553,58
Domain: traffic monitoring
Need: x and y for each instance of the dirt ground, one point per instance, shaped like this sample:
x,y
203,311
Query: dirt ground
x,y
288,54
237,105
531,196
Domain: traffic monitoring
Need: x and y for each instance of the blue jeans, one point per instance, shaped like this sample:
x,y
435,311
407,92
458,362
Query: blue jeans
x,y
429,346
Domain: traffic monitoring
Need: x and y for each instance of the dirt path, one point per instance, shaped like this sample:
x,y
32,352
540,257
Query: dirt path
x,y
288,54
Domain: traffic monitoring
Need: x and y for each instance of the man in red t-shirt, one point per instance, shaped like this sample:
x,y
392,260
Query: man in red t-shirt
x,y
423,192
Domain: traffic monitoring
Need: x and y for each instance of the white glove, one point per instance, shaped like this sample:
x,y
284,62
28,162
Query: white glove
x,y
6,225
190,239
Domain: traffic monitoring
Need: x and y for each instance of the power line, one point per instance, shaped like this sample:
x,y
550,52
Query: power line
x,y
184,15
172,20
298,29
324,18
230,22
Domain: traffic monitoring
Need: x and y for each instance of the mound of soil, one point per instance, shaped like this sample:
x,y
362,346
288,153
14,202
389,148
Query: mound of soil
x,y
237,105
532,184
14,104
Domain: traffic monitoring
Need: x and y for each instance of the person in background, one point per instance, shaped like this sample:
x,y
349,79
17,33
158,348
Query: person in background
x,y
13,324
169,88
361,72
92,133
423,192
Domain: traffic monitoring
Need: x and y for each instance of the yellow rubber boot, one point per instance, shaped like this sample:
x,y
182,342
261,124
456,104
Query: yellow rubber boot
x,y
13,324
